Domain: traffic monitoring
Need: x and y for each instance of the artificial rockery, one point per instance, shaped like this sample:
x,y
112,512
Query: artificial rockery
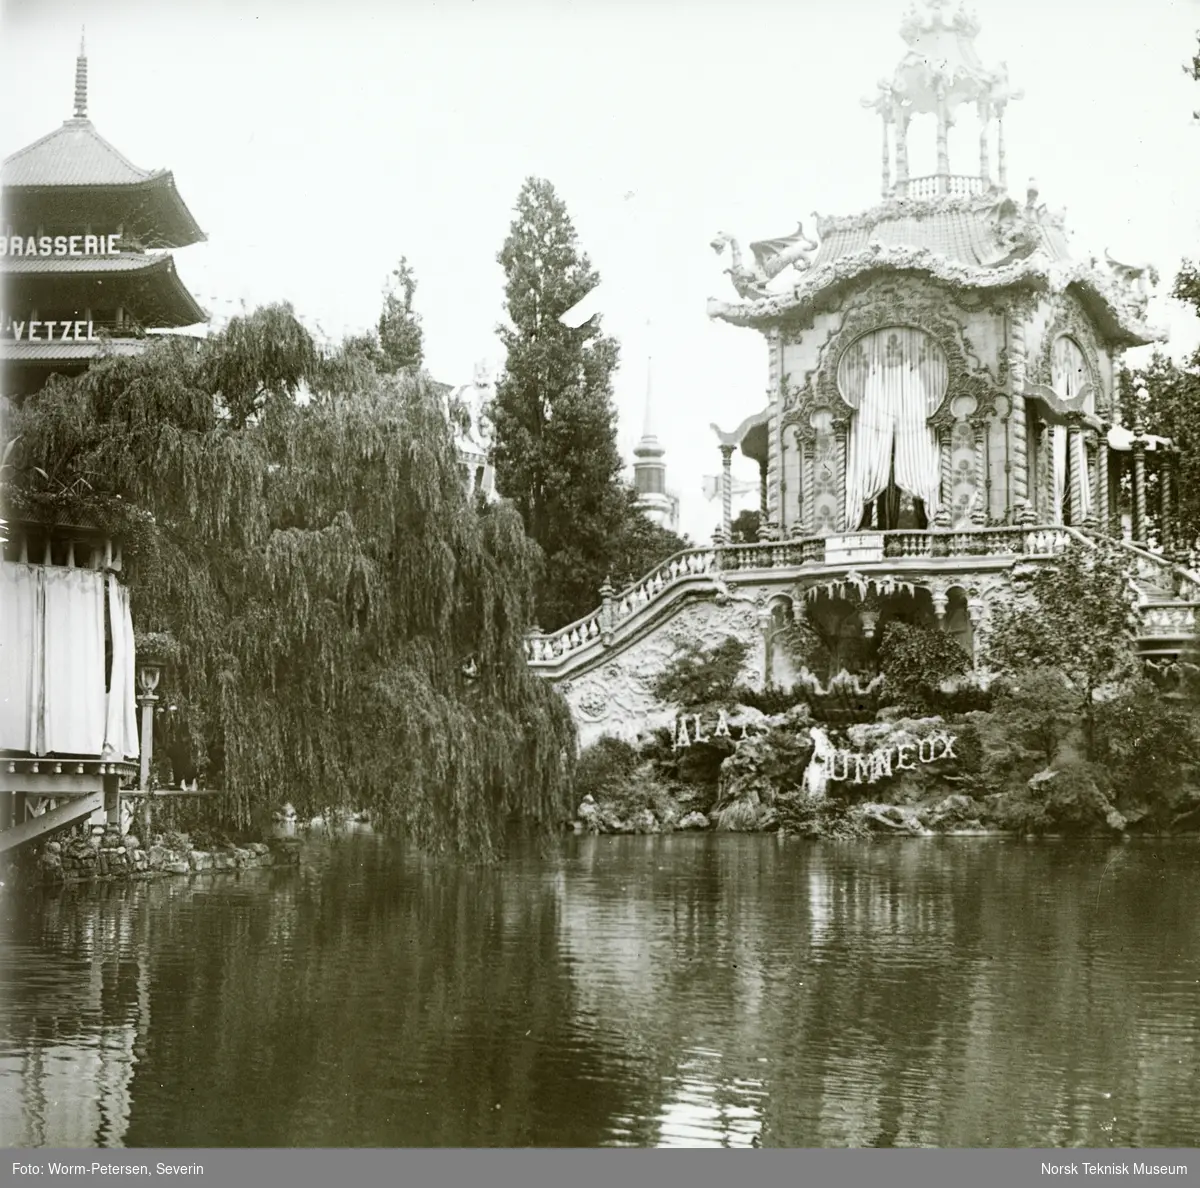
x,y
346,625
1056,728
965,561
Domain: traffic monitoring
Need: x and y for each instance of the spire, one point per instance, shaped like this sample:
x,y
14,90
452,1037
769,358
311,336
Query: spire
x,y
81,80
648,447
647,420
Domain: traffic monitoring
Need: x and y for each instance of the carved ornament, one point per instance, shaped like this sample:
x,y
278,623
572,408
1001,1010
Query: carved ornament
x,y
887,306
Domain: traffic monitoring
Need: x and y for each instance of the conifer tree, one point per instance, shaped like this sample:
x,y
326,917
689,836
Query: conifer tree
x,y
401,338
555,423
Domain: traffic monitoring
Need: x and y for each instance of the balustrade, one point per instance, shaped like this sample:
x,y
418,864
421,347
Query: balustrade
x,y
726,560
933,185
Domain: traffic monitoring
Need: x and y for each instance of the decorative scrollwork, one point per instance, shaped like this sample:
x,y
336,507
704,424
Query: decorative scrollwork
x,y
894,304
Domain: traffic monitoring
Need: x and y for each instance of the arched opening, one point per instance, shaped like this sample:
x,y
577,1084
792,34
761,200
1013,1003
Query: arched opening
x,y
895,380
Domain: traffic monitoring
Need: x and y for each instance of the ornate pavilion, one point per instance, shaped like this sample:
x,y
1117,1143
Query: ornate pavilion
x,y
941,360
85,262
941,417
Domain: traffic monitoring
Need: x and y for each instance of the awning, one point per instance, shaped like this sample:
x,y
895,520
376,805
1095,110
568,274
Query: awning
x,y
1120,438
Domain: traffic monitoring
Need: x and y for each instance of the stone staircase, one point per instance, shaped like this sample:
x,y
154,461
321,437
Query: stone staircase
x,y
1168,595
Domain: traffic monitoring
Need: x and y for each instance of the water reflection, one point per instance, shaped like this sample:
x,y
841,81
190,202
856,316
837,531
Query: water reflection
x,y
672,991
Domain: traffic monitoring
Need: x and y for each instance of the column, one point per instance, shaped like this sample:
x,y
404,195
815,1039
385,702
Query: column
x,y
1166,534
726,490
1102,480
887,171
943,156
901,122
984,163
1139,482
808,483
946,451
839,469
764,512
981,483
1001,170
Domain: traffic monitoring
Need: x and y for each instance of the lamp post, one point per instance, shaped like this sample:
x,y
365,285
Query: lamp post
x,y
149,674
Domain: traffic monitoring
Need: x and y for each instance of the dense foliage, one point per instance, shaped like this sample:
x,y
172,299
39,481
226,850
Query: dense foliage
x,y
916,659
1075,617
555,424
349,628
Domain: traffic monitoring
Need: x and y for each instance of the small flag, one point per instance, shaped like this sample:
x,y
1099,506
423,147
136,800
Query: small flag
x,y
583,311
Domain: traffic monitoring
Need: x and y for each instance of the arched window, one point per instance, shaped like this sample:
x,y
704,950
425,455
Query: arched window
x,y
894,379
1068,369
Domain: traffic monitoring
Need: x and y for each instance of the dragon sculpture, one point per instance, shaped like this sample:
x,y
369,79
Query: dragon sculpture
x,y
770,258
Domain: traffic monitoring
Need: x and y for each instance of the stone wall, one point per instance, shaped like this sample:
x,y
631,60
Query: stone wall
x,y
101,852
616,699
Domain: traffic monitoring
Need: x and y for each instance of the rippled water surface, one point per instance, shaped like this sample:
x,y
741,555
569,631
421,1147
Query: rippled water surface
x,y
664,991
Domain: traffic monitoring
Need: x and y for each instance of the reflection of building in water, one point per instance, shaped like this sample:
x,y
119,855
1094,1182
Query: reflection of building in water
x,y
72,1087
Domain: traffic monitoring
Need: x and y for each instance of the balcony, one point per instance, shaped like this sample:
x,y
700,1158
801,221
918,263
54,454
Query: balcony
x,y
935,185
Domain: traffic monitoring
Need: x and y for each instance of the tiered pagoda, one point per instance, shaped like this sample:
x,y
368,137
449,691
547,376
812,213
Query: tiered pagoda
x,y
85,253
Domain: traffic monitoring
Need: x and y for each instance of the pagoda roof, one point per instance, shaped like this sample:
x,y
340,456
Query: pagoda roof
x,y
75,157
983,241
153,275
67,352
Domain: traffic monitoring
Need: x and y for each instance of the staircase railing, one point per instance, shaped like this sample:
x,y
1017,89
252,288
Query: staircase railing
x,y
725,562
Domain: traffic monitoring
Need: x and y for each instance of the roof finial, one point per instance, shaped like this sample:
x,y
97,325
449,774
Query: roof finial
x,y
81,79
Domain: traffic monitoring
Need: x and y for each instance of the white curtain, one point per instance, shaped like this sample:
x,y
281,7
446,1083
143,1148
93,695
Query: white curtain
x,y
22,598
1080,462
895,379
1058,461
74,694
120,732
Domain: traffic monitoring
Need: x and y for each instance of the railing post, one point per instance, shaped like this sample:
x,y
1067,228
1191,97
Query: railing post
x,y
606,612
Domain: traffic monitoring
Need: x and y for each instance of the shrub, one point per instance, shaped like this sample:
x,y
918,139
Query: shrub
x,y
774,699
1071,800
1035,712
605,767
700,676
917,659
1150,745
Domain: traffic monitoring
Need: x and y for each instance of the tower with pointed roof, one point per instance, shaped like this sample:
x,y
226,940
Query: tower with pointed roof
x,y
650,470
941,359
85,256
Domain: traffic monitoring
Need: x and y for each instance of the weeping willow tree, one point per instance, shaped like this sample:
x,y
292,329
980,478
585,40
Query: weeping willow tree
x,y
349,626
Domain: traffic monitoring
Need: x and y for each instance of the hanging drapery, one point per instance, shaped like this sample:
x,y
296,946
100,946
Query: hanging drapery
x,y
1079,460
120,733
1058,466
74,694
894,379
22,599
1068,369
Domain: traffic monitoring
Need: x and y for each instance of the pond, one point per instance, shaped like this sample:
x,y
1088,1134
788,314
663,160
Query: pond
x,y
685,990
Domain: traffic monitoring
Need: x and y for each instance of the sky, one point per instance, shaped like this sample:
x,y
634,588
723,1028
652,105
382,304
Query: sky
x,y
316,143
